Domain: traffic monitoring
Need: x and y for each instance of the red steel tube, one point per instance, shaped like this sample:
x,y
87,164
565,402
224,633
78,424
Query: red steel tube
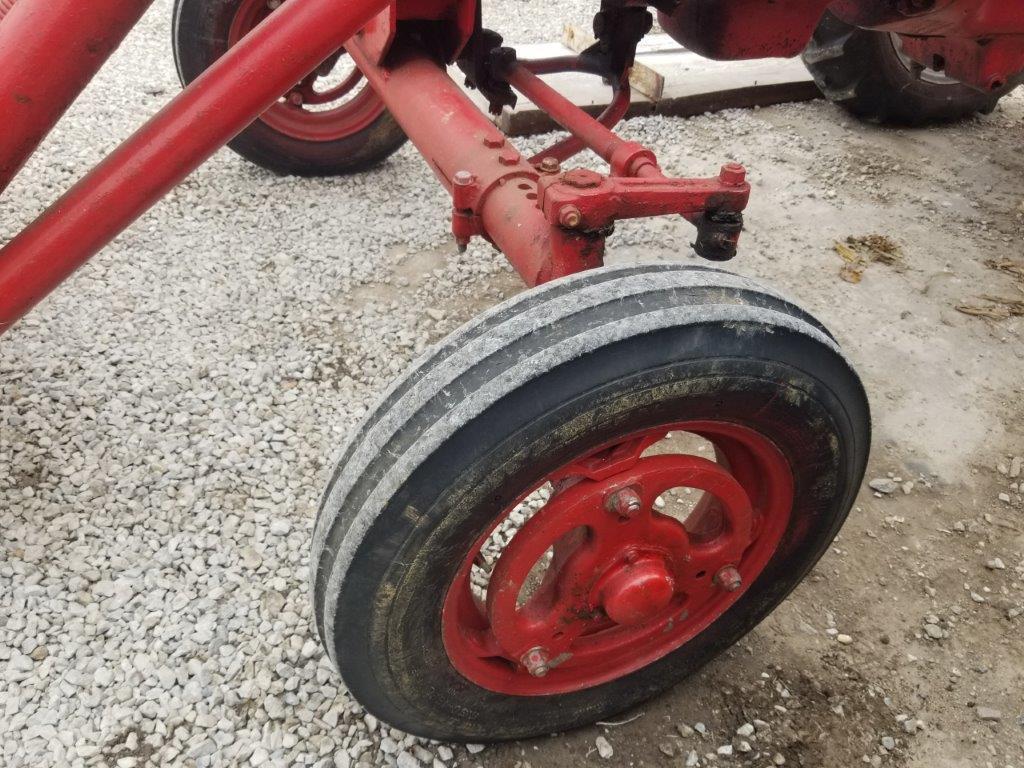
x,y
50,50
454,135
601,139
269,61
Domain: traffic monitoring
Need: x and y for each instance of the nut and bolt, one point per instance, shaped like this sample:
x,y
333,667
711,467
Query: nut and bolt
x,y
295,99
536,661
732,174
550,165
463,178
625,503
494,142
570,217
728,578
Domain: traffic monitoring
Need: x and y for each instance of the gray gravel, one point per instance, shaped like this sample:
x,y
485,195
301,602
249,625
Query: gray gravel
x,y
169,415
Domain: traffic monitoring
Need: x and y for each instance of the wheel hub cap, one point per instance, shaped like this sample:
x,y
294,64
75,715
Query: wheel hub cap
x,y
598,582
636,592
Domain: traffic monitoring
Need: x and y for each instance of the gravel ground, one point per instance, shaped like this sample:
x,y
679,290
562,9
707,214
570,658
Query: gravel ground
x,y
168,418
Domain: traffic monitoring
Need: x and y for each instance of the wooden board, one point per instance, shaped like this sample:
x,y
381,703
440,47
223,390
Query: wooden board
x,y
690,85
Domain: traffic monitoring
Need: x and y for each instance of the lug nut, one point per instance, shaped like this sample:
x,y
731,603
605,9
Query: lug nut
x,y
536,661
570,217
729,579
295,99
625,503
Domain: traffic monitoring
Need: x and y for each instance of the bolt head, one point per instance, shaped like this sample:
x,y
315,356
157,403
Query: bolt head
x,y
295,99
570,217
463,178
732,174
274,4
536,661
550,165
729,578
625,503
494,142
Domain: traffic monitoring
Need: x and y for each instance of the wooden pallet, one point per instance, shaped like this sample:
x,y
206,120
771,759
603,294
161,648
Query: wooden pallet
x,y
668,80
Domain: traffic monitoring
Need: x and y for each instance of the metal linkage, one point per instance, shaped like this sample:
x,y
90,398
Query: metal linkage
x,y
547,223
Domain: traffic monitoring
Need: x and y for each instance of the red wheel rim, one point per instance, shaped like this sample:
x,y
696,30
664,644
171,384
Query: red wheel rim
x,y
292,115
625,584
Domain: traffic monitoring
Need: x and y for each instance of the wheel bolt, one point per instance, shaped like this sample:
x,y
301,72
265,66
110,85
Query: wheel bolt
x,y
570,217
536,661
729,579
625,503
295,99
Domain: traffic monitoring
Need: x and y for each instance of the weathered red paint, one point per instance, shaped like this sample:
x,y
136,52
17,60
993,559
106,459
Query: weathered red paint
x,y
626,584
49,51
205,116
499,199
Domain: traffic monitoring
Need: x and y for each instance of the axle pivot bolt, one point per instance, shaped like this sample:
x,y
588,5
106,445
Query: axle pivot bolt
x,y
536,661
732,174
729,579
570,217
463,178
583,178
550,165
625,503
295,99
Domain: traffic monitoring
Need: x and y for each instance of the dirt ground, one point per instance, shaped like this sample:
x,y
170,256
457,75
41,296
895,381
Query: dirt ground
x,y
845,672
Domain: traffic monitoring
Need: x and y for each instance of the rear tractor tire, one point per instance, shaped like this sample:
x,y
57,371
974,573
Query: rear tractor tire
x,y
580,498
867,73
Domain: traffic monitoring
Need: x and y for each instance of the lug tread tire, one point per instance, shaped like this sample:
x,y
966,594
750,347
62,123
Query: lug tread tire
x,y
860,70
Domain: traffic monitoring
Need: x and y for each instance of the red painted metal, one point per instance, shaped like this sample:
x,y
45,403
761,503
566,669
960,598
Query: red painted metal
x,y
978,42
497,195
565,148
5,7
50,50
292,115
625,158
743,29
213,109
624,586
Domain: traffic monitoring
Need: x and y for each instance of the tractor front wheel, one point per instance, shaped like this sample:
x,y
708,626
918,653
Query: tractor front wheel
x,y
582,497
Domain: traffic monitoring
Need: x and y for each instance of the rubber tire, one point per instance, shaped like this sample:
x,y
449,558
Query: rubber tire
x,y
518,392
199,38
860,70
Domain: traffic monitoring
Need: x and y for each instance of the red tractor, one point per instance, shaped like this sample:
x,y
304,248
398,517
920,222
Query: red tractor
x,y
585,494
